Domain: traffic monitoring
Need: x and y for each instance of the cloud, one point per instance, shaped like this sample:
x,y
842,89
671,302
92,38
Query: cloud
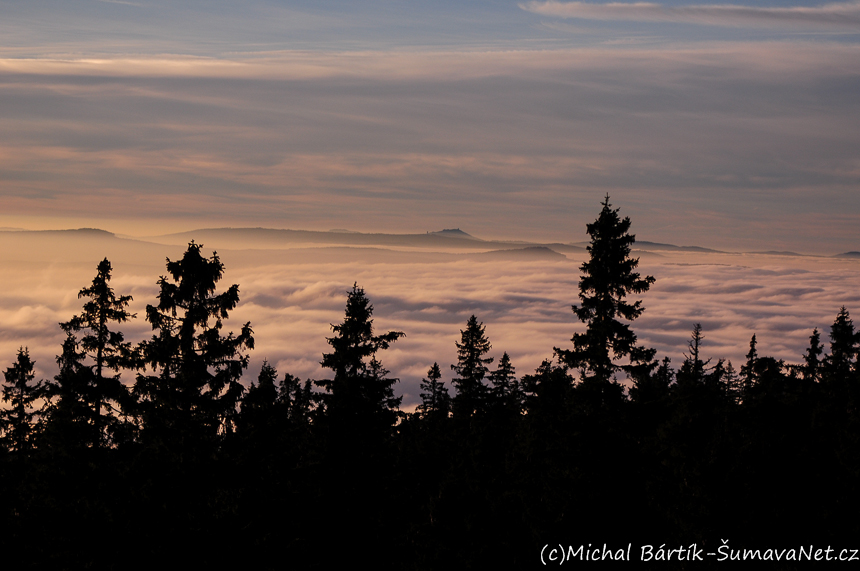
x,y
291,299
718,142
123,2
838,16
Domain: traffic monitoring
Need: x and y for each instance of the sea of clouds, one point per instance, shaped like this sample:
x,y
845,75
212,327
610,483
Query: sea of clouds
x,y
292,296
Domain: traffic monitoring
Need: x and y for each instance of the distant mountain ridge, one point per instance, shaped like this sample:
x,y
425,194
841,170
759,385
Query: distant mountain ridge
x,y
446,239
645,245
270,237
518,254
91,232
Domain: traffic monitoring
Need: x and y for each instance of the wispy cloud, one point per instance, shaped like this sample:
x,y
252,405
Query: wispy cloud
x,y
123,2
760,137
842,15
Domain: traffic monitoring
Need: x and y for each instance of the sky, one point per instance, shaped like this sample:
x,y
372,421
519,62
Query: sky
x,y
733,126
727,126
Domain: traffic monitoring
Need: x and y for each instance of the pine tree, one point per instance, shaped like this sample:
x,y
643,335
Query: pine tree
x,y
607,278
20,392
196,388
108,349
471,369
435,400
360,395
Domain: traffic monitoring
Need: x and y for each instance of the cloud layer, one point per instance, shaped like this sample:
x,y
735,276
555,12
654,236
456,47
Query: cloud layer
x,y
836,16
727,145
292,296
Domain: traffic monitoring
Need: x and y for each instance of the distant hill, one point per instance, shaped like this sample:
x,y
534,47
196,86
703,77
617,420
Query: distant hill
x,y
83,244
257,238
645,245
78,232
521,254
453,233
447,240
777,253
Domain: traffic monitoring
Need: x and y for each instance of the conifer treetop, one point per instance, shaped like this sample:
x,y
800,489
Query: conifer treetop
x,y
361,389
608,277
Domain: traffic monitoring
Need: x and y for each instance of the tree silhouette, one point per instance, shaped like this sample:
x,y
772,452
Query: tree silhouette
x,y
607,278
17,420
549,392
196,388
693,368
654,386
471,368
355,422
843,347
504,379
70,422
506,390
259,406
733,384
297,397
107,348
263,395
812,357
435,400
360,394
749,371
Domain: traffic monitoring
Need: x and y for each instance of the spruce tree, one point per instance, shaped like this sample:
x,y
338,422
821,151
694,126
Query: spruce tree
x,y
195,389
20,393
258,410
435,400
506,389
653,386
298,399
471,369
361,394
749,371
504,379
107,349
843,347
734,388
548,394
693,368
263,395
812,358
608,277
69,416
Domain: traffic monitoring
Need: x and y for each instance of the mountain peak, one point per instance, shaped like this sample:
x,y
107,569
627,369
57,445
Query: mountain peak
x,y
452,233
